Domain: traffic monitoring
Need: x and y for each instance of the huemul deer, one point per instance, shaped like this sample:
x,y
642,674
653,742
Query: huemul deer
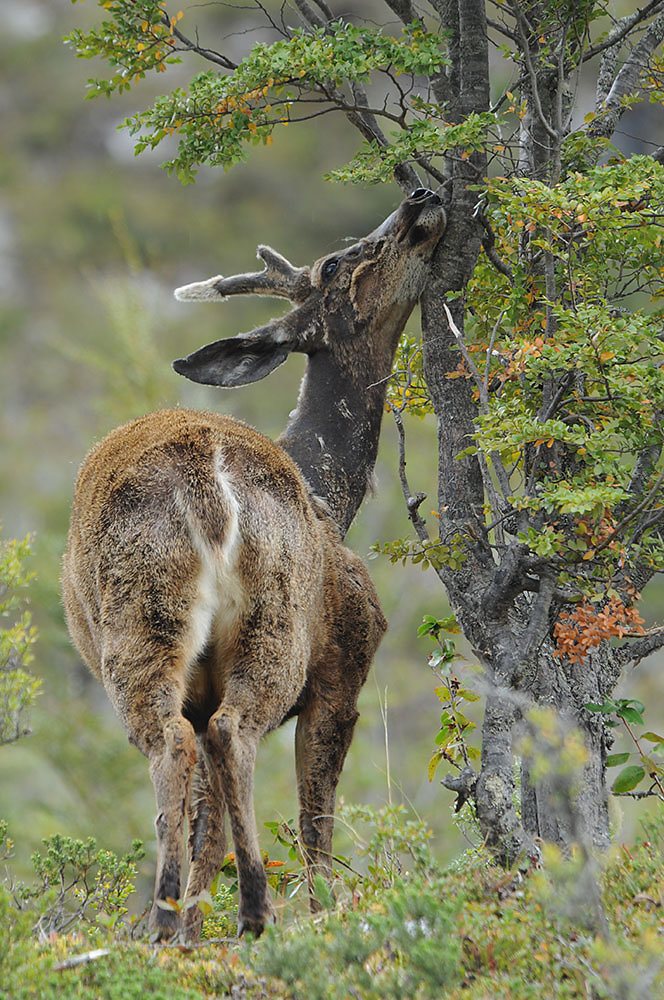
x,y
205,580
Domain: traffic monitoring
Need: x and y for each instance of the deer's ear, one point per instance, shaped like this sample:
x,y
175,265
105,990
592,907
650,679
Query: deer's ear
x,y
233,362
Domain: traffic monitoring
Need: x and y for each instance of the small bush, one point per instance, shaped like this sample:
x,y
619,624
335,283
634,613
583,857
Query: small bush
x,y
402,949
18,688
79,883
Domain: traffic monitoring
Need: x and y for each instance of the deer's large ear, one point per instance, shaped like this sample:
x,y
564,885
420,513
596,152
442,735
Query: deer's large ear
x,y
236,361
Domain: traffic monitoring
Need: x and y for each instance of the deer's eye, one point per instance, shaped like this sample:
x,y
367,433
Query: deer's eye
x,y
328,268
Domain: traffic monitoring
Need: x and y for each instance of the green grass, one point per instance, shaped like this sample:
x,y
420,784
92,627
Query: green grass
x,y
405,930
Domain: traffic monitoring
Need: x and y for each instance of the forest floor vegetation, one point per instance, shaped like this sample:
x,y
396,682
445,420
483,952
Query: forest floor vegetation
x,y
402,929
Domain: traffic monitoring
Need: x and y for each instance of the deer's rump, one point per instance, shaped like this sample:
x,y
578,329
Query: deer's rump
x,y
173,559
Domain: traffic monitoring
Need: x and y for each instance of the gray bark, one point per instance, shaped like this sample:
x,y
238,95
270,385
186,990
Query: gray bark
x,y
510,632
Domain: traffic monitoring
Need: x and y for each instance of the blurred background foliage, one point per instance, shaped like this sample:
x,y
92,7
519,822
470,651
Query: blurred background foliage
x,y
92,243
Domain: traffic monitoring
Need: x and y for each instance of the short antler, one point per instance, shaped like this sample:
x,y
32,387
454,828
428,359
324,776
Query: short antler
x,y
279,278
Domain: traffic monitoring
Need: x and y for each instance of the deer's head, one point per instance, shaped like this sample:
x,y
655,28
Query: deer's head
x,y
352,304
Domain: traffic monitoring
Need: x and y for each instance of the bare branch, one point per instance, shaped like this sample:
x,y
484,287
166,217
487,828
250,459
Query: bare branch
x,y
524,31
360,114
327,11
633,514
503,29
508,580
309,15
538,626
489,247
413,501
634,651
626,81
365,121
484,406
622,28
403,9
477,378
190,46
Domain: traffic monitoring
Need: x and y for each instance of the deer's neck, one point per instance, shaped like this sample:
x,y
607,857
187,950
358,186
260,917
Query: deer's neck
x,y
333,434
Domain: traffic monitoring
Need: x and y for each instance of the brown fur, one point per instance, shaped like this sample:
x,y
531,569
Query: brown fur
x,y
211,594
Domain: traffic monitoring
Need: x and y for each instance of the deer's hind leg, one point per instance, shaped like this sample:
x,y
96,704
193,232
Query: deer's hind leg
x,y
234,740
207,836
145,686
263,684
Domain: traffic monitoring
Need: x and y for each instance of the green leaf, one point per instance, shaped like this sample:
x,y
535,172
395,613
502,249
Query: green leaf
x,y
652,737
630,715
628,779
433,764
468,695
323,893
616,758
204,902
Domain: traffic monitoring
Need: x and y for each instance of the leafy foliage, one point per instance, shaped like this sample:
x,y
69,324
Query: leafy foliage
x,y
468,932
18,688
571,386
455,727
220,114
77,881
628,713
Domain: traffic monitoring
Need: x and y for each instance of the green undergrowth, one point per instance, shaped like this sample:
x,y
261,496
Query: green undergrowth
x,y
402,929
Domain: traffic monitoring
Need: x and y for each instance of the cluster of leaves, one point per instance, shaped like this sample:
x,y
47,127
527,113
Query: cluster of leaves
x,y
425,554
375,162
407,388
392,844
628,713
77,881
139,37
451,740
587,625
18,688
220,114
573,385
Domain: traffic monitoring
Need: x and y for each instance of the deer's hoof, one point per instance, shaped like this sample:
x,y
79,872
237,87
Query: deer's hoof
x,y
254,925
163,924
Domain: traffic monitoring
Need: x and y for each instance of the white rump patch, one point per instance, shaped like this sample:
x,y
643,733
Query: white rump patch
x,y
220,598
201,291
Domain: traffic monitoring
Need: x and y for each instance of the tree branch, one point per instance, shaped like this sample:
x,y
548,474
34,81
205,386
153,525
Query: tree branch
x,y
634,651
497,26
360,114
209,54
622,27
524,31
538,626
626,81
489,247
403,9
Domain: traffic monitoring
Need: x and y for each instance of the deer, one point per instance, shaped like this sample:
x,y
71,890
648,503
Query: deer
x,y
205,579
